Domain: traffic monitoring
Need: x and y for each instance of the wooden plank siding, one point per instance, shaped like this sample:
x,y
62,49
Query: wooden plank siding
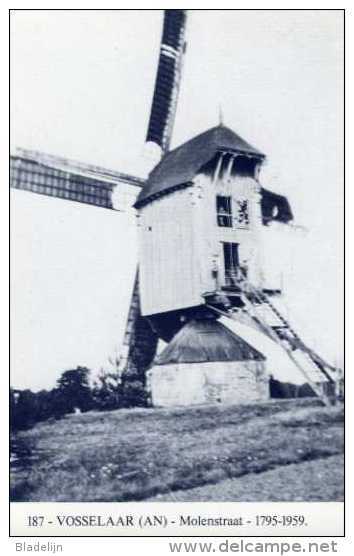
x,y
168,253
181,242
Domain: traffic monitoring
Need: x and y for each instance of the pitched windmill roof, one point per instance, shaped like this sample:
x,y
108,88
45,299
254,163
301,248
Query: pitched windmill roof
x,y
180,165
205,340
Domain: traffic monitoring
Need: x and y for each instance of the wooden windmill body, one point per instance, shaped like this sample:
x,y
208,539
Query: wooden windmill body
x,y
201,214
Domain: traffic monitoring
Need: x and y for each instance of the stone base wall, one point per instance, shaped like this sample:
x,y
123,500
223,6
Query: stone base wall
x,y
203,383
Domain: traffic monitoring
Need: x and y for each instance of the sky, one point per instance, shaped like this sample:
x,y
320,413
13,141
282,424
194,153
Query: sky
x,y
82,84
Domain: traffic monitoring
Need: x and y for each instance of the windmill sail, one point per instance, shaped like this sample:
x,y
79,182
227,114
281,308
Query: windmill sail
x,y
168,77
140,341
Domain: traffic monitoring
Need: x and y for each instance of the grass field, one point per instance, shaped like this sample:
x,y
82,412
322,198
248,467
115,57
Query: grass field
x,y
313,480
138,454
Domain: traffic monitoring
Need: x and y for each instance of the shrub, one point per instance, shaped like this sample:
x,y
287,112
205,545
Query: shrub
x,y
107,392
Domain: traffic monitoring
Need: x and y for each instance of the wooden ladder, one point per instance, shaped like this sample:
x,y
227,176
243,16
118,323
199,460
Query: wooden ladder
x,y
283,335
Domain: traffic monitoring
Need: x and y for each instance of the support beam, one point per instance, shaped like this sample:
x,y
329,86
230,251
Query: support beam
x,y
229,167
218,168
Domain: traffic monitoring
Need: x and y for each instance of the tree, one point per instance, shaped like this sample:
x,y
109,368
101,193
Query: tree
x,y
73,390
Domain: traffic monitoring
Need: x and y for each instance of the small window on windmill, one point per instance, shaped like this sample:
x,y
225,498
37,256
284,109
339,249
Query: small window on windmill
x,y
224,211
242,213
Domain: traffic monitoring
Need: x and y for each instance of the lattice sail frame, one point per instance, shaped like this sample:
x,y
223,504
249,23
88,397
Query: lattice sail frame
x,y
140,341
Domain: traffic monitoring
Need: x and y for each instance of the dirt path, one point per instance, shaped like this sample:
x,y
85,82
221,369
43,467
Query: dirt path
x,y
316,480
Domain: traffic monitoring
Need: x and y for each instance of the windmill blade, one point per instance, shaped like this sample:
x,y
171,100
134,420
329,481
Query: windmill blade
x,y
140,341
168,78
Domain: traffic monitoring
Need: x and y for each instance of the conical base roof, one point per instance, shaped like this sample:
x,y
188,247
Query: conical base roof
x,y
205,340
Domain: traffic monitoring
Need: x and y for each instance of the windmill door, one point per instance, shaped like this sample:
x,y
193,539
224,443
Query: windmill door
x,y
231,263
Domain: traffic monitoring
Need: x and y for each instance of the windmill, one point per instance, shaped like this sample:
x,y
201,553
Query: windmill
x,y
201,213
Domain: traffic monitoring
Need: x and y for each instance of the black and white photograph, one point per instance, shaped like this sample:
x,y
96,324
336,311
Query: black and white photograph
x,y
177,296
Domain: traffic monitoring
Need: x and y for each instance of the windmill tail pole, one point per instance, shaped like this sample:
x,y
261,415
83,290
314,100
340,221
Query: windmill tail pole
x,y
168,79
286,338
